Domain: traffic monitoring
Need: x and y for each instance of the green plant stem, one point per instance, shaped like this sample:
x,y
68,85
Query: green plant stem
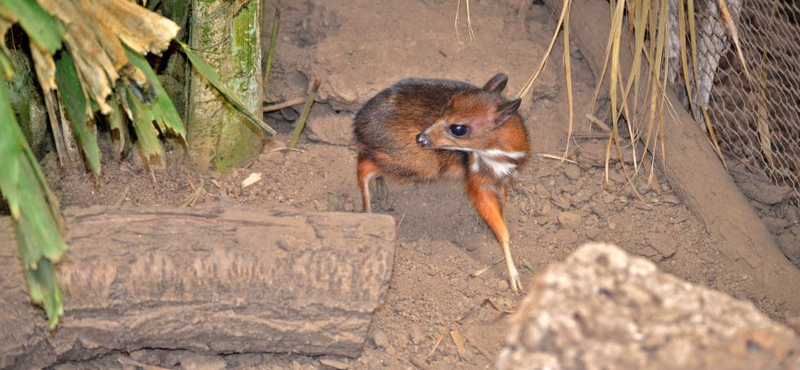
x,y
273,40
301,122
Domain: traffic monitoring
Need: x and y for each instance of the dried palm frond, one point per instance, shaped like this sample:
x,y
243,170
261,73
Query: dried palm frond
x,y
89,59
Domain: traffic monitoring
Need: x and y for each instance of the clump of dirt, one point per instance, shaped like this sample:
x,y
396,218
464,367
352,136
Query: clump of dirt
x,y
437,314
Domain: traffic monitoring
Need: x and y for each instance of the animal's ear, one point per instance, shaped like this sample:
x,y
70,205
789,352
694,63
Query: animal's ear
x,y
497,83
505,111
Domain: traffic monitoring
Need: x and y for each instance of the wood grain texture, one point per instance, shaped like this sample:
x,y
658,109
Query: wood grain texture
x,y
217,280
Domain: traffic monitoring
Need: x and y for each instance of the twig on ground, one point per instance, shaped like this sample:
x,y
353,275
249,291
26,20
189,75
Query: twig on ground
x,y
481,271
286,149
600,124
458,339
419,364
199,191
551,156
403,217
286,104
442,334
494,306
122,196
589,135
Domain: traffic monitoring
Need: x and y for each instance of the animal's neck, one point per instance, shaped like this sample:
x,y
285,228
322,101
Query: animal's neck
x,y
501,164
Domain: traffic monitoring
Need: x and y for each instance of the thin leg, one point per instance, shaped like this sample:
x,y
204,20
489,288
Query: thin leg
x,y
382,193
367,170
505,198
485,201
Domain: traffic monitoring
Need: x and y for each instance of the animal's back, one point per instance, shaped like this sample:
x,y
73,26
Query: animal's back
x,y
386,127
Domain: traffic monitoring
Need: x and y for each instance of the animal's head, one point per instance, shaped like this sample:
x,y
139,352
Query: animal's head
x,y
472,119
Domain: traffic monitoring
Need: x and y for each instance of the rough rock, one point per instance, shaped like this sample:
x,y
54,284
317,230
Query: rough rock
x,y
334,364
775,225
593,154
335,129
350,73
601,309
572,171
663,243
569,220
380,339
199,361
417,334
566,237
789,243
759,187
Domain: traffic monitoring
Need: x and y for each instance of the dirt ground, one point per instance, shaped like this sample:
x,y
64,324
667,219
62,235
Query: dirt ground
x,y
360,47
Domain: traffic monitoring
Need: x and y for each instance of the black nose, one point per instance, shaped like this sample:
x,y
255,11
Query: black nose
x,y
423,140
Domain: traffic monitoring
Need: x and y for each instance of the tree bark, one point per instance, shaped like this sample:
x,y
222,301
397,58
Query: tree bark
x,y
28,103
226,33
695,172
213,280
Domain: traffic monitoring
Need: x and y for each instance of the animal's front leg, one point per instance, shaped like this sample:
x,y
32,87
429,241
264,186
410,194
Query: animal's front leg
x,y
484,198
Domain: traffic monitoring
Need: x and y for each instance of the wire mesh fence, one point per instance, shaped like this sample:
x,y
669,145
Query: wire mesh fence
x,y
756,119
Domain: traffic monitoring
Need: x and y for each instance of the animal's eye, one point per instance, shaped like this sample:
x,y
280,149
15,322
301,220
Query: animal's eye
x,y
459,130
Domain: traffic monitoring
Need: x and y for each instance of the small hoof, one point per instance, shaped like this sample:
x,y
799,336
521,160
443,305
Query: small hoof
x,y
514,282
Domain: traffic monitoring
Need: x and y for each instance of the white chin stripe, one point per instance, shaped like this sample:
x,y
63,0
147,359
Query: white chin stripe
x,y
493,153
488,153
500,169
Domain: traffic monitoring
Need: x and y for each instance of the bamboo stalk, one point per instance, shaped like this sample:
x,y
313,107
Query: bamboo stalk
x,y
273,40
301,122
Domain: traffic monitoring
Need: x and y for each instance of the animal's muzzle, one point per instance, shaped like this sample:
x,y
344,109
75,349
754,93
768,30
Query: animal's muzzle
x,y
423,140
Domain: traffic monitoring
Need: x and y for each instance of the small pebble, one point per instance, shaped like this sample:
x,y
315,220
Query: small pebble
x,y
569,220
566,237
402,340
380,339
572,171
417,334
560,202
502,285
592,232
334,364
665,244
670,199
581,198
569,189
617,176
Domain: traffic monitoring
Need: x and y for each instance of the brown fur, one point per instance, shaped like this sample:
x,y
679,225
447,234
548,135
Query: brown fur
x,y
406,132
386,127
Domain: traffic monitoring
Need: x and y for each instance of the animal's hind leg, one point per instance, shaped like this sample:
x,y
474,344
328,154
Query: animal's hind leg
x,y
382,194
367,170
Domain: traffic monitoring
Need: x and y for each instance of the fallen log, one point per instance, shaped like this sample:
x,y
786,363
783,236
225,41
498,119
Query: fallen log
x,y
218,280
695,172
